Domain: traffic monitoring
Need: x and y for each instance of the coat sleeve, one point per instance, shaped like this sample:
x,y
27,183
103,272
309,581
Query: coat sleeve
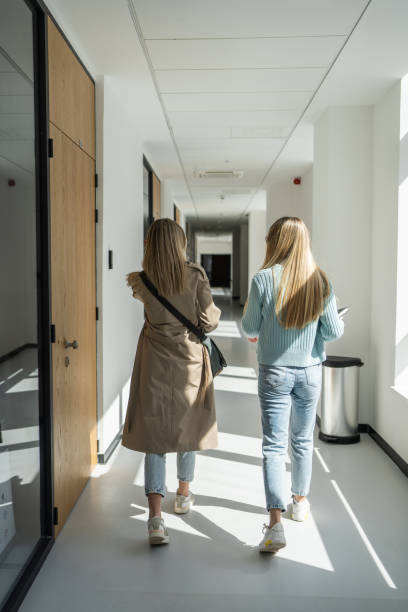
x,y
208,313
330,325
133,281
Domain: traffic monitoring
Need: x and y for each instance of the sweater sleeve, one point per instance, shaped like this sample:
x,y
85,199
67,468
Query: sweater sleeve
x,y
331,326
252,319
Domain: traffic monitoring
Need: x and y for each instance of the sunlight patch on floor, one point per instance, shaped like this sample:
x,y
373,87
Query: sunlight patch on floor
x,y
15,373
21,435
364,537
239,371
236,385
27,384
322,461
304,542
101,469
172,521
228,329
243,445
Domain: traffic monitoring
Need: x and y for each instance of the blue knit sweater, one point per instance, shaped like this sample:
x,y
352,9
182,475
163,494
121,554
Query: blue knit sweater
x,y
287,347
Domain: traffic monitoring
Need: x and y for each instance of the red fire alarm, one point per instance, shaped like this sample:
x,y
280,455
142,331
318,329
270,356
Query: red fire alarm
x,y
297,180
11,182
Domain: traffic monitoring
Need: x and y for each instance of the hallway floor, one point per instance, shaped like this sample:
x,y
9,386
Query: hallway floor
x,y
351,554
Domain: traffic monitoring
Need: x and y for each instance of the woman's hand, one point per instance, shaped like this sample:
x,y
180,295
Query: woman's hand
x,y
253,340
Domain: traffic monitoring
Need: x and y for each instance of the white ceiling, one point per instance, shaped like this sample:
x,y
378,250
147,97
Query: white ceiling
x,y
234,78
374,59
223,85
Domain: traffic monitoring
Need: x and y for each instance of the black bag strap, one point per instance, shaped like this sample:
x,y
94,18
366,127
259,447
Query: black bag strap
x,y
176,313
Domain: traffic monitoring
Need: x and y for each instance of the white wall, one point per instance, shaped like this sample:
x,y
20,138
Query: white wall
x,y
401,339
120,200
342,179
167,202
306,199
212,247
243,262
390,408
256,241
286,199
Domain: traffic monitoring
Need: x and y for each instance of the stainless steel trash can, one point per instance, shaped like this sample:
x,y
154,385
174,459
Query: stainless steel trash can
x,y
339,401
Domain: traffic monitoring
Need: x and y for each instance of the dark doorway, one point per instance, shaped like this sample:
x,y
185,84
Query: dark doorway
x,y
218,269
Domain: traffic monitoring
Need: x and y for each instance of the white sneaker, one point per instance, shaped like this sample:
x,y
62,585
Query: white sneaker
x,y
300,510
158,533
183,503
274,538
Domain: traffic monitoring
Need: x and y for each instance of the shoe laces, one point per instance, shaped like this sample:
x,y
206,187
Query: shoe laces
x,y
265,528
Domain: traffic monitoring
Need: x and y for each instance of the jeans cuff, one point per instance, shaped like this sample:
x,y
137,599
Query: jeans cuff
x,y
300,493
276,507
184,479
157,491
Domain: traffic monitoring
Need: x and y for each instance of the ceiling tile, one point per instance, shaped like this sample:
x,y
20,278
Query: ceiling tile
x,y
253,81
244,53
281,118
194,18
235,78
236,101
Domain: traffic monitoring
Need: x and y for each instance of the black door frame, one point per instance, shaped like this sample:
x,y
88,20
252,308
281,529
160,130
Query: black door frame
x,y
19,589
146,164
34,562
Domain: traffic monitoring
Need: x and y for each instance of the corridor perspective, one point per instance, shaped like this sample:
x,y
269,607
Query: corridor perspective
x,y
214,121
346,556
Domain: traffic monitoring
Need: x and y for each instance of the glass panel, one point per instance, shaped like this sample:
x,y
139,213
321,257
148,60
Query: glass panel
x,y
19,408
146,211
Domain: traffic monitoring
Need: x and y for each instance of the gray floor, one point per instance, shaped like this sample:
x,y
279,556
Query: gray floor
x,y
351,554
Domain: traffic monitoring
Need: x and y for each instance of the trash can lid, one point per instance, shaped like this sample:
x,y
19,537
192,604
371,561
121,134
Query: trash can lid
x,y
334,361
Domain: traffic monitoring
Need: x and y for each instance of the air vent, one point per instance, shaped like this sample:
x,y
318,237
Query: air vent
x,y
236,174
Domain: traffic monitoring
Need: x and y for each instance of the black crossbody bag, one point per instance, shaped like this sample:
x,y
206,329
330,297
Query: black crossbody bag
x,y
217,359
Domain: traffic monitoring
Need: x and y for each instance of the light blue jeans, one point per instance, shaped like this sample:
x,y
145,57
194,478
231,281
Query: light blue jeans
x,y
155,470
288,398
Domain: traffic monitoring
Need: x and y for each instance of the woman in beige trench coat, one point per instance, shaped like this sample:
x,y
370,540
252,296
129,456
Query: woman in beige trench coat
x,y
171,403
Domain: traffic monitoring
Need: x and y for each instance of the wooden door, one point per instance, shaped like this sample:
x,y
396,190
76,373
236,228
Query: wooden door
x,y
73,290
156,197
71,93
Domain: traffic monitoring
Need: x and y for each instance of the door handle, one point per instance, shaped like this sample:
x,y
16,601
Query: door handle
x,y
73,344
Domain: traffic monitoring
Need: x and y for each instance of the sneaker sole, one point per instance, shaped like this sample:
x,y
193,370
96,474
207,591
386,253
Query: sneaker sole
x,y
273,548
179,510
299,520
158,540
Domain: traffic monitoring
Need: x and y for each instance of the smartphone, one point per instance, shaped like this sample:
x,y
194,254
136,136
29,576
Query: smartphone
x,y
342,311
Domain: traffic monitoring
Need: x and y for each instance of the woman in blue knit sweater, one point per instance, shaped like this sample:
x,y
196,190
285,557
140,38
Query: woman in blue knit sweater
x,y
291,312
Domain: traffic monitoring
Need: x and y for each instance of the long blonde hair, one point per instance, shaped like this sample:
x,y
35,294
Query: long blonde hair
x,y
303,287
165,256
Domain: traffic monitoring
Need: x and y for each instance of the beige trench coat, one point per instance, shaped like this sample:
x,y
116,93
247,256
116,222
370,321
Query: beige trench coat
x,y
170,407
